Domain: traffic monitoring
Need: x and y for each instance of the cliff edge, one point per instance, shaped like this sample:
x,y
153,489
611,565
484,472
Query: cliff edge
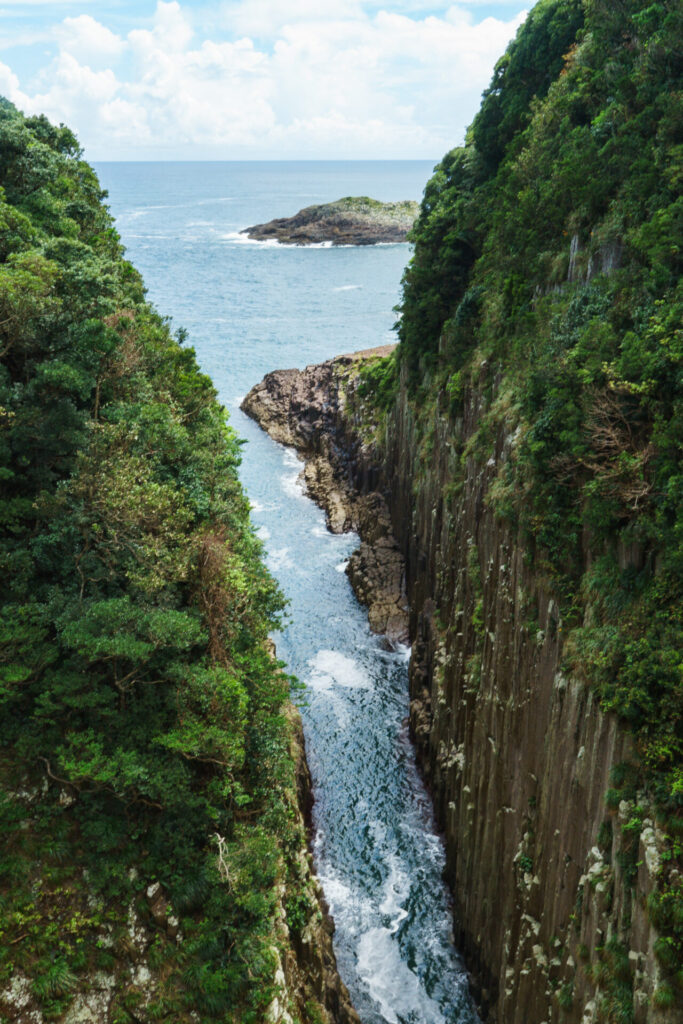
x,y
307,410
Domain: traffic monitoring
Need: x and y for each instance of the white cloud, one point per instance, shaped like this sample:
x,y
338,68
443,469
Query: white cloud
x,y
355,82
9,83
264,18
88,40
171,33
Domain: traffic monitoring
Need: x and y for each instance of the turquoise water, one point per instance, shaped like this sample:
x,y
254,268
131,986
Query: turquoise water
x,y
250,308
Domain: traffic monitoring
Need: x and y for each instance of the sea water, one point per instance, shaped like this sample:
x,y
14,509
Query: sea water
x,y
251,307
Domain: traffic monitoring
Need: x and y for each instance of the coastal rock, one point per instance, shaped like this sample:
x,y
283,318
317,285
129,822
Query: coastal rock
x,y
354,220
305,409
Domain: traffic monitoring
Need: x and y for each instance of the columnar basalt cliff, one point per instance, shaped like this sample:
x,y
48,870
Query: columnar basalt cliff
x,y
517,753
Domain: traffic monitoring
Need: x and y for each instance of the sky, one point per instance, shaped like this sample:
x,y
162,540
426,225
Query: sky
x,y
255,79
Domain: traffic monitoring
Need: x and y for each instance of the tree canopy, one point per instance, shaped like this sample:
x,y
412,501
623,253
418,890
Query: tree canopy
x,y
137,693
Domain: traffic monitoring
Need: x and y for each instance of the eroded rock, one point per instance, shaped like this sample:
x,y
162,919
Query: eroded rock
x,y
306,410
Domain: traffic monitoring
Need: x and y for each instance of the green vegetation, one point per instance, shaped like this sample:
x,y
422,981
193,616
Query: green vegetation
x,y
377,379
367,206
142,720
547,274
591,365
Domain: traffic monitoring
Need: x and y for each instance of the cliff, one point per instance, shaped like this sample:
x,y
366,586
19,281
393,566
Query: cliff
x,y
524,442
550,884
354,220
137,939
154,861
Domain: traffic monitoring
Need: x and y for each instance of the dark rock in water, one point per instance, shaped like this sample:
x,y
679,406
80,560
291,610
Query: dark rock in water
x,y
350,221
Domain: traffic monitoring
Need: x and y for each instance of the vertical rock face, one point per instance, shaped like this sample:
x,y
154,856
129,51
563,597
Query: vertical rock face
x,y
518,755
310,980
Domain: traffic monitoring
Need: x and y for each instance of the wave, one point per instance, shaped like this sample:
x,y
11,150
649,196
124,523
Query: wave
x,y
330,667
239,238
279,559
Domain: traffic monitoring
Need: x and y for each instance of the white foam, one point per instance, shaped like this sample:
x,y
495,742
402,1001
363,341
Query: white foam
x,y
292,485
342,566
242,239
236,237
320,531
279,559
345,902
347,288
396,892
290,458
258,506
337,894
392,985
263,533
403,650
332,667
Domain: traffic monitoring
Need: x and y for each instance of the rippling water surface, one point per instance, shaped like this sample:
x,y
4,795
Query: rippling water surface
x,y
254,307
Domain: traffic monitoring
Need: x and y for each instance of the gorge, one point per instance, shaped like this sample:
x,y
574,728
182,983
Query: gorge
x,y
512,469
537,880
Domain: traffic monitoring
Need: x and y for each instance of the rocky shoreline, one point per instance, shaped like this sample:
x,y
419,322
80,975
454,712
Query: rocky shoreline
x,y
354,220
305,409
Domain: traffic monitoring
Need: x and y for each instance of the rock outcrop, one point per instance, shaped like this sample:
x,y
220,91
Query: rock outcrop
x,y
550,885
349,221
306,410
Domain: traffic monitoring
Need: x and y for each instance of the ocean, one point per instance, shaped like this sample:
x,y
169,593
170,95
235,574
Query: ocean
x,y
251,307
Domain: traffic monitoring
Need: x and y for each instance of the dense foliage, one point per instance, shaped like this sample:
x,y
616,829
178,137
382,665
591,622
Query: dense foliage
x,y
548,250
141,718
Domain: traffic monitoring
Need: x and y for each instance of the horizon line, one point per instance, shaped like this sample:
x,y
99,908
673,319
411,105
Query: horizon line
x,y
268,160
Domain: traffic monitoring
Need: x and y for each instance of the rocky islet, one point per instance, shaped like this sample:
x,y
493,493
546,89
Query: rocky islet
x,y
353,220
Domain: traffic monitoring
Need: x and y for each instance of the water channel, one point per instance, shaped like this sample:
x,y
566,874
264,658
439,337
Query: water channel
x,y
250,308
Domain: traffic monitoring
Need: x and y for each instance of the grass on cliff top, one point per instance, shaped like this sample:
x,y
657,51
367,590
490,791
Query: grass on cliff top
x,y
367,206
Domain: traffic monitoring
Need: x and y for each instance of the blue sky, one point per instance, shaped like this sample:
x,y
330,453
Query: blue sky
x,y
255,79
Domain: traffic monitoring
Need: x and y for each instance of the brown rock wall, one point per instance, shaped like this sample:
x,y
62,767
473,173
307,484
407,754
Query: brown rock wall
x,y
518,755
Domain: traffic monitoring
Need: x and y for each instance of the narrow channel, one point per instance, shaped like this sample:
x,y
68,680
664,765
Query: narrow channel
x,y
250,308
